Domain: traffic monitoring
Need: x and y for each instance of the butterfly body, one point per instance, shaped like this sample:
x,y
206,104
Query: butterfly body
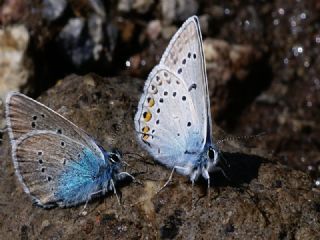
x,y
173,120
56,162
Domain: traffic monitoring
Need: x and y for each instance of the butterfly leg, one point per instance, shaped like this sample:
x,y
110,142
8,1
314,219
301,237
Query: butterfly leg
x,y
209,192
207,177
83,212
170,178
115,191
125,174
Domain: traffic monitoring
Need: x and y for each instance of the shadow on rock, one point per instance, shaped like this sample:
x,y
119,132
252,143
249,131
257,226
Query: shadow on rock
x,y
237,169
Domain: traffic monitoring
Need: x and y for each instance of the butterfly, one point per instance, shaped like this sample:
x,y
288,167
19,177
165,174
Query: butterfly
x,y
56,162
173,120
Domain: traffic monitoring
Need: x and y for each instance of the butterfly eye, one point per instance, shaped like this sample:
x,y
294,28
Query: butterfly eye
x,y
115,156
211,153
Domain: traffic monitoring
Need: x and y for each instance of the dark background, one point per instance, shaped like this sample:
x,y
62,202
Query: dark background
x,y
262,58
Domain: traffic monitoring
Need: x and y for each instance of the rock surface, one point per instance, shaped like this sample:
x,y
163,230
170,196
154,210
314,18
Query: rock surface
x,y
262,200
16,67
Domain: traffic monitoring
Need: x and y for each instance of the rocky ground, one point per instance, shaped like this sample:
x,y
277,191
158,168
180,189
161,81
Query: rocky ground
x,y
263,71
262,200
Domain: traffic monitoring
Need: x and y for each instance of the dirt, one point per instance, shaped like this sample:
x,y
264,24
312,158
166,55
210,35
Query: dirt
x,y
262,199
262,61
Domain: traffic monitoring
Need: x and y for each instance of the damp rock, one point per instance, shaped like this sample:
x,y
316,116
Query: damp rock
x,y
217,11
124,5
178,10
88,226
204,24
45,223
139,6
168,32
154,29
96,31
75,41
262,198
231,67
53,9
16,67
12,11
87,43
233,59
292,42
85,8
142,6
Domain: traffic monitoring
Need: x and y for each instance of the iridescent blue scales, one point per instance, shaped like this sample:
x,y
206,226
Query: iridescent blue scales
x,y
57,162
173,120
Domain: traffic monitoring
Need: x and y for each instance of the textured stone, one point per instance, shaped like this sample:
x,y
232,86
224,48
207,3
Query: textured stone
x,y
16,67
262,200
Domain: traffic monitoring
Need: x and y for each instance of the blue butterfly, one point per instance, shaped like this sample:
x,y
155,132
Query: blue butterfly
x,y
173,120
56,162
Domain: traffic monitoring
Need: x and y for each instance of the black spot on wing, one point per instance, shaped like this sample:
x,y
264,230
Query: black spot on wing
x,y
191,153
192,86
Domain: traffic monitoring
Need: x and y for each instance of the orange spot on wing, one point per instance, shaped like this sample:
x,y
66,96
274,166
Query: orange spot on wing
x,y
147,116
145,129
145,137
151,102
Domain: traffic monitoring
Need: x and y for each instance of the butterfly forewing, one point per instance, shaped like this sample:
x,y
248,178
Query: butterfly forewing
x,y
25,115
184,57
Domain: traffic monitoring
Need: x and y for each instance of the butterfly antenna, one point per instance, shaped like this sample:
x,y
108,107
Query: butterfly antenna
x,y
125,163
139,157
134,154
240,137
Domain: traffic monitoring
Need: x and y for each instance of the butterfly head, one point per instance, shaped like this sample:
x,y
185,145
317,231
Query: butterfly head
x,y
206,163
212,156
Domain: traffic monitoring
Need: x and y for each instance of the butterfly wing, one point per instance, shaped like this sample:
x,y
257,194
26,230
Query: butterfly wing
x,y
25,115
167,122
55,169
184,56
173,120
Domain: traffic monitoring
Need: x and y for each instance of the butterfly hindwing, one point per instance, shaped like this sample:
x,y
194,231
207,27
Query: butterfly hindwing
x,y
56,162
25,115
55,169
167,119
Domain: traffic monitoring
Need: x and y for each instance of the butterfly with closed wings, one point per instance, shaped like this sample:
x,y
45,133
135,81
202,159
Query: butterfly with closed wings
x,y
56,162
173,120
